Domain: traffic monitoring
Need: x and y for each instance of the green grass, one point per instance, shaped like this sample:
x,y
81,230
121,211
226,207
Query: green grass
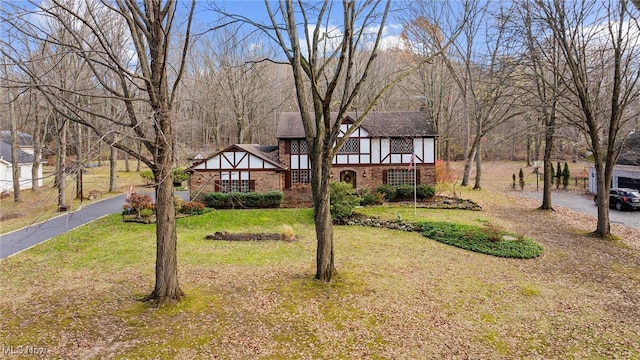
x,y
396,295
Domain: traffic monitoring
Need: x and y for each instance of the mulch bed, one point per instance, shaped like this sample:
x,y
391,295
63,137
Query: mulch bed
x,y
222,235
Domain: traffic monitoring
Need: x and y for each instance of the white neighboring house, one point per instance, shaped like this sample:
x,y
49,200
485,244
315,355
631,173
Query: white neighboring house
x,y
626,172
25,161
623,176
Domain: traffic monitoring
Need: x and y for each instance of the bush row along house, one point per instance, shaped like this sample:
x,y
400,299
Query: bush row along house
x,y
378,152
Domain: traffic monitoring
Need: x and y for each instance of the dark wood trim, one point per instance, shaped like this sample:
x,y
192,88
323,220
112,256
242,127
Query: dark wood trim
x,y
287,179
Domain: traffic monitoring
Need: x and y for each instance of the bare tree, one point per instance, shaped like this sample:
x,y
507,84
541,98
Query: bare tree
x,y
600,46
13,121
542,61
328,77
104,35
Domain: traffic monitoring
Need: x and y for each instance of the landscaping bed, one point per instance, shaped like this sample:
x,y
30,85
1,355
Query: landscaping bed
x,y
223,235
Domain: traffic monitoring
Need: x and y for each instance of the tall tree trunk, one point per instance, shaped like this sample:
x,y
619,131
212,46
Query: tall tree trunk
x,y
529,149
476,185
113,170
167,287
99,153
325,267
61,164
548,150
37,153
603,227
139,163
447,152
126,162
15,147
79,163
467,165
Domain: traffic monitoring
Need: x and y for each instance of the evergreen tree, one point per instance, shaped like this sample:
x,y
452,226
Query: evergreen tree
x,y
558,175
565,176
521,176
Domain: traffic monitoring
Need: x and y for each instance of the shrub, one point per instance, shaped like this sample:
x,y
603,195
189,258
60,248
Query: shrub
x,y
218,200
179,176
388,191
370,198
521,177
343,200
177,202
252,200
288,234
444,173
146,212
272,199
566,175
141,201
425,192
404,192
192,207
147,175
483,240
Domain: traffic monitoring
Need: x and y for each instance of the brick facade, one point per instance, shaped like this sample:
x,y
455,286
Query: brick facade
x,y
301,193
204,181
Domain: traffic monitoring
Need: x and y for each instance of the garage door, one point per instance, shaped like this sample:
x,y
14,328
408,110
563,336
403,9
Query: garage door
x,y
625,182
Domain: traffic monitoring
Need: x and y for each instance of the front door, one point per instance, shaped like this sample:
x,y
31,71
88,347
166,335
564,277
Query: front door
x,y
349,177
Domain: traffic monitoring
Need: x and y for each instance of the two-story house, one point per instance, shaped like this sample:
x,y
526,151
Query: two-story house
x,y
379,152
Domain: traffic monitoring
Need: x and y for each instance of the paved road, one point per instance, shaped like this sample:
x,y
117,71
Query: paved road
x,y
582,203
19,240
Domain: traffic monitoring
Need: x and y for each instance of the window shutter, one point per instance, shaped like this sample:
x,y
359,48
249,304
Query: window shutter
x,y
252,185
287,179
287,147
384,176
417,177
217,186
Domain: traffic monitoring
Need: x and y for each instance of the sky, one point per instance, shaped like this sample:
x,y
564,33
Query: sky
x,y
256,10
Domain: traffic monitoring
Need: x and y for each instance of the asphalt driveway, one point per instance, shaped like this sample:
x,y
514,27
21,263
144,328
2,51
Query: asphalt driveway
x,y
583,203
25,238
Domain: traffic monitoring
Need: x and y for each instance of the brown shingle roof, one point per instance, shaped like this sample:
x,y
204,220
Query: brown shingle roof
x,y
378,124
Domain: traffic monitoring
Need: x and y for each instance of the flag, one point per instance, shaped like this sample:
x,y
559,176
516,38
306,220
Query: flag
x,y
411,162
